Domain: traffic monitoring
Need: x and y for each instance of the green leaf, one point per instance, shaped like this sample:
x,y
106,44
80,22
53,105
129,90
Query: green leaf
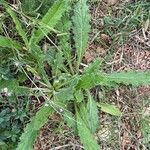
x,y
93,67
84,113
64,27
65,94
91,80
79,96
145,128
32,129
70,120
57,64
81,28
9,84
49,20
19,28
92,115
12,86
110,109
9,43
130,78
39,61
28,5
36,7
85,135
2,1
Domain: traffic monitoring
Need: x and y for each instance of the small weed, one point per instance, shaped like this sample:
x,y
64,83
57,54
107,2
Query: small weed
x,y
13,117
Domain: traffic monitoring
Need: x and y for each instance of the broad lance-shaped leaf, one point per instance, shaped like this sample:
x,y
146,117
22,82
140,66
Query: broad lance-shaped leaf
x,y
32,129
9,43
85,135
49,20
110,109
90,80
64,26
84,113
134,78
18,25
70,120
81,28
92,114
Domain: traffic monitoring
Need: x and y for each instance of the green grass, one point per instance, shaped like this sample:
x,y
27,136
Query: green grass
x,y
130,17
54,73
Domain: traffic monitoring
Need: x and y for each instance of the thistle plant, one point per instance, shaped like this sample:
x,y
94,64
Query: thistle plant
x,y
61,80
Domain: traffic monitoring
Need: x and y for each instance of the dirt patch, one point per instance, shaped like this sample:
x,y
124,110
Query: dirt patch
x,y
57,136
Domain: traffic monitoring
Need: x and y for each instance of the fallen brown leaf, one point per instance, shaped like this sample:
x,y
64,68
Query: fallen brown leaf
x,y
105,38
100,51
111,2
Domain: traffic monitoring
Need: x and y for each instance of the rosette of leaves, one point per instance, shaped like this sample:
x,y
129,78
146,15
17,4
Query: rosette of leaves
x,y
65,88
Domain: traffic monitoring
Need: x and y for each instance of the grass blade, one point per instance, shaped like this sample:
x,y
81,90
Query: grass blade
x,y
9,43
81,28
19,28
